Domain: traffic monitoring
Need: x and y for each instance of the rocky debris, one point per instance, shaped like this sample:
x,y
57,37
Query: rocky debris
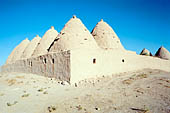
x,y
139,110
51,109
40,90
79,107
11,104
25,95
45,92
64,83
97,108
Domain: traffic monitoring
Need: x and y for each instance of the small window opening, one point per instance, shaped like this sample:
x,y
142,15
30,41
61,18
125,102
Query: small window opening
x,y
45,61
123,60
94,61
30,64
53,60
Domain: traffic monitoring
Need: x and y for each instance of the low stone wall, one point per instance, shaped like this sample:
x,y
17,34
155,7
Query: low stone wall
x,y
54,65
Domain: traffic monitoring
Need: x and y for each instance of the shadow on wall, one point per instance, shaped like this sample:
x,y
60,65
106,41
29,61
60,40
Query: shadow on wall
x,y
55,65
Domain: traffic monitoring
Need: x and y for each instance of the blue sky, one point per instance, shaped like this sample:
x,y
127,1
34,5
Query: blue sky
x,y
138,23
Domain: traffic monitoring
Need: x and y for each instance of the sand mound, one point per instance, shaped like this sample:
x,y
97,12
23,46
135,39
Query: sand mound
x,y
45,42
105,36
74,35
146,52
31,47
18,51
163,53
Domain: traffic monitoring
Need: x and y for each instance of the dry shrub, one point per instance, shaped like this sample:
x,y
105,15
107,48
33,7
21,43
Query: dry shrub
x,y
20,77
11,82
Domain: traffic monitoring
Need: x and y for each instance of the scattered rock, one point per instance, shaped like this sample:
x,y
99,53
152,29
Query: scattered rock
x,y
96,108
139,110
25,95
9,104
79,107
64,83
45,92
40,90
51,109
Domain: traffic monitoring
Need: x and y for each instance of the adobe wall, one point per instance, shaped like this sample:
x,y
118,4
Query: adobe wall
x,y
80,64
93,63
56,65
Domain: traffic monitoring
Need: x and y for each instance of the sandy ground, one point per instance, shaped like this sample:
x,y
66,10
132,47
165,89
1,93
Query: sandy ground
x,y
144,91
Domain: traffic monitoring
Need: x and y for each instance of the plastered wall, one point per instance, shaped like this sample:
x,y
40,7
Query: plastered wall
x,y
110,62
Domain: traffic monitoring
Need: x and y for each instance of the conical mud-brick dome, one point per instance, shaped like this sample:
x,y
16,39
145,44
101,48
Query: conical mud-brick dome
x,y
9,60
31,47
163,53
146,52
105,37
45,42
18,51
74,35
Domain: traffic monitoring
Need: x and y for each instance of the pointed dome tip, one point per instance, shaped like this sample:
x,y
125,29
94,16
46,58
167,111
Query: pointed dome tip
x,y
162,47
37,35
52,27
74,16
101,20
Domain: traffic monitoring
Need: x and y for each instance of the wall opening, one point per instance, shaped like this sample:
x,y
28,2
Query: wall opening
x,y
45,60
30,64
94,61
53,60
123,60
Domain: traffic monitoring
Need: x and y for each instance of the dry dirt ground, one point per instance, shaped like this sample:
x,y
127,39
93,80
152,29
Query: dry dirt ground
x,y
144,91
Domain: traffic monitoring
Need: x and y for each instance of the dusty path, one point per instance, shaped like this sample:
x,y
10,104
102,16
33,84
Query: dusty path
x,y
133,92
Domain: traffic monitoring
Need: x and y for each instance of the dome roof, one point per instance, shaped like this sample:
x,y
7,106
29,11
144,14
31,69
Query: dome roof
x,y
17,52
31,47
105,36
74,35
163,53
45,42
146,52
